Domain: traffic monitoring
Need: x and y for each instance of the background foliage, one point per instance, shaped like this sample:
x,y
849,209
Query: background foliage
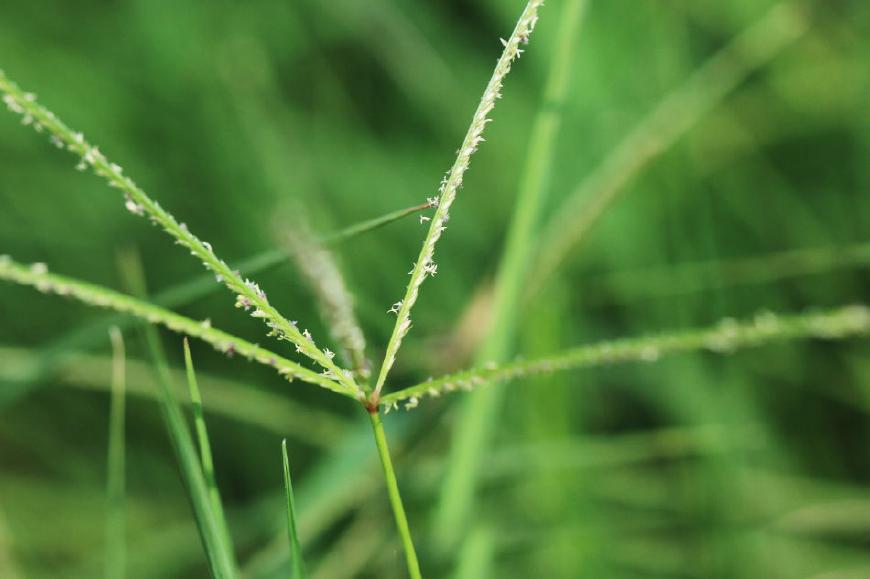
x,y
750,465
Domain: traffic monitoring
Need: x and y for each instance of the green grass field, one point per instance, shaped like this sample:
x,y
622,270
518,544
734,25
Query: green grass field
x,y
653,167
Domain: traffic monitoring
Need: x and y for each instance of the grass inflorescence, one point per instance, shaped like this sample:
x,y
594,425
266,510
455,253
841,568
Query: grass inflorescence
x,y
468,539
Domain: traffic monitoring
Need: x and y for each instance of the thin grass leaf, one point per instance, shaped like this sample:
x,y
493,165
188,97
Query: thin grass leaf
x,y
672,118
248,294
425,266
298,566
37,276
116,541
728,335
218,550
205,448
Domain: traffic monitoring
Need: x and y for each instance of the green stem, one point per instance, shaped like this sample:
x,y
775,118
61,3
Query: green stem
x,y
116,546
395,498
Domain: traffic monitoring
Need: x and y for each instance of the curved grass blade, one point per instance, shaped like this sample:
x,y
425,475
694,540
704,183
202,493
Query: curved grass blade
x,y
218,551
37,276
671,119
293,535
205,448
727,336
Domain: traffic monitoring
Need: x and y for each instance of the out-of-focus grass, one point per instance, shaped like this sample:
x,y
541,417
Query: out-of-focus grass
x,y
750,465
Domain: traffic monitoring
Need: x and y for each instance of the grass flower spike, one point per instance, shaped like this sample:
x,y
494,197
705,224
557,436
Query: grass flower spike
x,y
562,470
249,296
37,275
727,336
425,265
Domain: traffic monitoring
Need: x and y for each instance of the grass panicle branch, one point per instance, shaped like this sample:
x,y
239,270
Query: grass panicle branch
x,y
727,336
194,289
478,415
37,276
425,266
248,294
199,287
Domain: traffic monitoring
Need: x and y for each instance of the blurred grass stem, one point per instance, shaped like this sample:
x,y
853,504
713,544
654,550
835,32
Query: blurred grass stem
x,y
672,118
479,410
115,488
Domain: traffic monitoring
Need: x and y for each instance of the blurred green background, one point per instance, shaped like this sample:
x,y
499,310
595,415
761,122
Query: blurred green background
x,y
753,464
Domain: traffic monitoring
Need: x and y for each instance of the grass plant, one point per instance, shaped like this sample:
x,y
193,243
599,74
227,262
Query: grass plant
x,y
467,536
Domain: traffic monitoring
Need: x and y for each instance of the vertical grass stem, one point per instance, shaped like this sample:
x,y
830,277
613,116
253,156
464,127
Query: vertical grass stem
x,y
115,519
395,497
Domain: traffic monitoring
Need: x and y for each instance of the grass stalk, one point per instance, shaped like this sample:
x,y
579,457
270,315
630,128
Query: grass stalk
x,y
297,565
425,266
725,337
9,567
116,541
370,225
37,276
476,555
479,410
203,286
395,497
